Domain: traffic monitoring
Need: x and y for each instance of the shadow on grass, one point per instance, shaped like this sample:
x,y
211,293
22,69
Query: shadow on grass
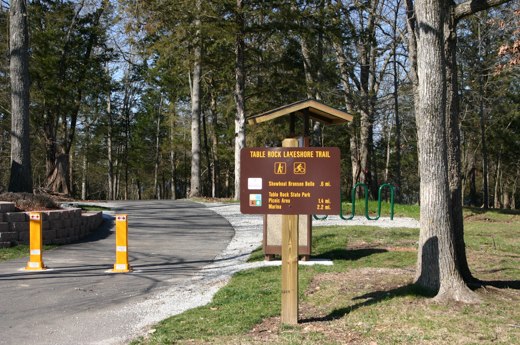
x,y
478,210
499,284
372,298
350,254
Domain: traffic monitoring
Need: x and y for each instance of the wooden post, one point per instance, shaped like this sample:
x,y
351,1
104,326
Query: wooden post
x,y
290,261
290,269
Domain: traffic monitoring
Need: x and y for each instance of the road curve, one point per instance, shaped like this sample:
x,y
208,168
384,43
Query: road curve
x,y
169,242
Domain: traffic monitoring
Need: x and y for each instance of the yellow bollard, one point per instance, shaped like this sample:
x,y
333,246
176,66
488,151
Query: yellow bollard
x,y
35,243
121,265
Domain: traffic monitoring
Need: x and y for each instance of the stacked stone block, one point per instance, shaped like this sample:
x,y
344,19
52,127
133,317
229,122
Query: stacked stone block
x,y
6,235
58,226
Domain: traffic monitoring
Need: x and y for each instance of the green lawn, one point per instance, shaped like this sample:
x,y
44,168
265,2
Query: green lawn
x,y
366,297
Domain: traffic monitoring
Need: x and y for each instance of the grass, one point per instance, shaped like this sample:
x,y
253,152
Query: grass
x,y
93,208
400,210
18,251
366,297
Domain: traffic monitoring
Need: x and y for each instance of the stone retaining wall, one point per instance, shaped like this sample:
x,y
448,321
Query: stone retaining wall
x,y
58,226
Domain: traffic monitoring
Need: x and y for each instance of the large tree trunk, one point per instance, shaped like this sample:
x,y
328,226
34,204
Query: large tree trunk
x,y
21,171
437,268
58,180
240,118
195,107
453,141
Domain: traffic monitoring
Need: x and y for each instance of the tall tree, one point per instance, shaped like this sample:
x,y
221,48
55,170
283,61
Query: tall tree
x,y
437,268
21,172
452,15
442,265
240,99
196,104
68,55
362,63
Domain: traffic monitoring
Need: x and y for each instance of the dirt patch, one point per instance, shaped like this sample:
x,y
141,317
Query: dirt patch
x,y
405,246
267,331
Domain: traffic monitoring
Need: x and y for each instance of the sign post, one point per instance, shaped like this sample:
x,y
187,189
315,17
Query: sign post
x,y
290,261
290,181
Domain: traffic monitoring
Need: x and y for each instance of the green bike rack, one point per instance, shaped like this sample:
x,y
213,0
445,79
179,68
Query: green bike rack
x,y
353,196
379,202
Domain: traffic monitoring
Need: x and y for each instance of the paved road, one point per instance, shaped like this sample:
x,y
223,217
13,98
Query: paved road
x,y
169,241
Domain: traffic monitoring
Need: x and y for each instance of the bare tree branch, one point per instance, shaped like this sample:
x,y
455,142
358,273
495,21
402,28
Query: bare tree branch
x,y
473,6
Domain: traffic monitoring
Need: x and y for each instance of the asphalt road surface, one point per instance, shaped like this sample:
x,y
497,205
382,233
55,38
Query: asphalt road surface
x,y
169,241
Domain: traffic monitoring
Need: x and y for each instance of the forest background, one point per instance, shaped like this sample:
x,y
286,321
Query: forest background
x,y
144,99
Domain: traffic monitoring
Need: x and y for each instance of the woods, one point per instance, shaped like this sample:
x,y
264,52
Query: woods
x,y
112,81
136,99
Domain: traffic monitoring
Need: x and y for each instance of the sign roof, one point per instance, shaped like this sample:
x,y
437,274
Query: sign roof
x,y
316,110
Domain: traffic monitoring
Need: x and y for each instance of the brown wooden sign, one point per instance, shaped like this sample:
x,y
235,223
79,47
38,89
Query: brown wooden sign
x,y
286,180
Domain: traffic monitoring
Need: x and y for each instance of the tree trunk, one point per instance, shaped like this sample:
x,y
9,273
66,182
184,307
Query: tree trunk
x,y
513,193
485,169
215,167
388,133
240,76
453,141
111,177
207,186
157,151
84,169
195,107
173,167
364,147
472,181
21,171
84,163
506,199
395,68
498,175
437,269
59,177
126,153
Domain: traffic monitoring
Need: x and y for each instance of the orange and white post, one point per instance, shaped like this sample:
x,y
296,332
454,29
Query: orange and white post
x,y
121,265
35,243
